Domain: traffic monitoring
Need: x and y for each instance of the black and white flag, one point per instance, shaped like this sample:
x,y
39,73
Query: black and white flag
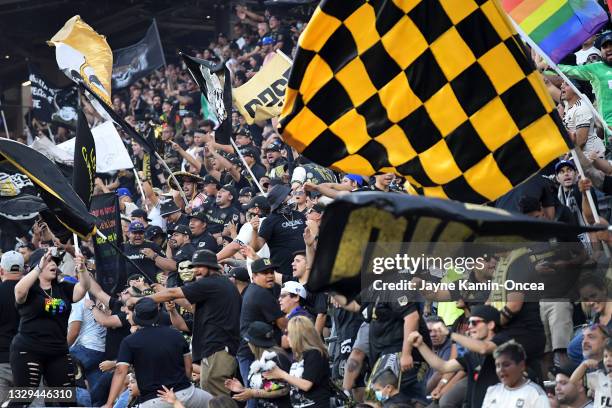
x,y
51,103
138,60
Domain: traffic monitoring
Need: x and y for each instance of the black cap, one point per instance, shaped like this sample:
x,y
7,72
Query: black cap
x,y
200,215
262,264
152,231
229,188
260,202
211,180
140,213
274,147
246,191
249,151
146,312
181,229
260,334
168,207
240,274
566,369
205,257
318,208
243,132
277,195
487,313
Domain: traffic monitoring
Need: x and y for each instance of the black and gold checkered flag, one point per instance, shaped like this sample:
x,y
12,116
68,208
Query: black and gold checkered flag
x,y
440,91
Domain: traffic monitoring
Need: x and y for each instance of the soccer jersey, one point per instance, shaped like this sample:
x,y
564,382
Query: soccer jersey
x,y
528,395
601,385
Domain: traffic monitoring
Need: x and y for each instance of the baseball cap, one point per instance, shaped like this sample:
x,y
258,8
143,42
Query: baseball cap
x,y
356,178
247,151
246,191
566,369
122,192
259,202
262,264
181,229
260,334
487,313
200,215
295,288
274,147
230,189
564,163
267,40
243,132
240,274
146,312
604,38
318,208
153,231
136,226
12,261
168,207
211,180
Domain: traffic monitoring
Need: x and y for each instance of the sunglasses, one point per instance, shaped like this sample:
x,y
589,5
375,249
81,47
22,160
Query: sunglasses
x,y
474,322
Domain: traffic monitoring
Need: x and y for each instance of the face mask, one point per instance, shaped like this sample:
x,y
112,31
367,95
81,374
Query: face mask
x,y
380,397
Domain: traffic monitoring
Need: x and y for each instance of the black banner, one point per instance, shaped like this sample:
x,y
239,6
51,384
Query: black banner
x,y
50,103
110,273
67,214
356,225
84,173
138,60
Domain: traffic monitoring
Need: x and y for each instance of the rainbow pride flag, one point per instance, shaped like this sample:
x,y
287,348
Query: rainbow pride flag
x,y
557,26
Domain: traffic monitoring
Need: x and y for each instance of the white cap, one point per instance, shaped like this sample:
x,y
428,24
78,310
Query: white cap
x,y
295,288
11,259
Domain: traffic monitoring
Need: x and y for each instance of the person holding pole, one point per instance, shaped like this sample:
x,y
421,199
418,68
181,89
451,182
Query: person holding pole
x,y
44,303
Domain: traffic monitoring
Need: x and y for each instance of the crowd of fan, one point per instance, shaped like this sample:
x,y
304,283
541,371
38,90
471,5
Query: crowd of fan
x,y
217,311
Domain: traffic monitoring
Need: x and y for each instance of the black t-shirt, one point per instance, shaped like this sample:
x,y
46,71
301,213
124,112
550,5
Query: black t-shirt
x,y
284,236
205,241
9,318
537,187
44,319
184,253
217,315
157,354
387,329
218,217
114,336
245,177
347,325
480,372
258,305
398,398
313,367
147,265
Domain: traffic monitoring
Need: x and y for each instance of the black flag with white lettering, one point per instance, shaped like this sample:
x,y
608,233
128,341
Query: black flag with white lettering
x,y
84,173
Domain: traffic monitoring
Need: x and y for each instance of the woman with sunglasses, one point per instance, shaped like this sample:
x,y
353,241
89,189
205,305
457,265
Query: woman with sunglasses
x,y
44,303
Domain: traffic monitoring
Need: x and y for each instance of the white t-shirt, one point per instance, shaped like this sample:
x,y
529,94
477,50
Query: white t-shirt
x,y
156,218
579,116
92,335
601,384
246,233
528,395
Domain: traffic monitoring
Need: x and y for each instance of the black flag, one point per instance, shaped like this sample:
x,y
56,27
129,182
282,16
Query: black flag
x,y
138,60
66,209
84,173
127,128
51,103
217,93
355,226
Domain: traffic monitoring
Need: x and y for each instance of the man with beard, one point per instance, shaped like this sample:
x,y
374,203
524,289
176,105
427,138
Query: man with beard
x,y
200,237
570,195
179,249
567,393
599,75
381,183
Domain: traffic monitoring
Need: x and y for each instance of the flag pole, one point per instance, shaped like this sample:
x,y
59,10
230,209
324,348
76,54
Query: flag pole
x,y
144,198
6,131
247,167
75,238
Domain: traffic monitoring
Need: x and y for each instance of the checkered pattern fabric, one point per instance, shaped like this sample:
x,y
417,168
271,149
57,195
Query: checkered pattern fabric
x,y
440,91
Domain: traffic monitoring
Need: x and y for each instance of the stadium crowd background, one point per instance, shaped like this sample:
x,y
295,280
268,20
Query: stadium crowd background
x,y
443,351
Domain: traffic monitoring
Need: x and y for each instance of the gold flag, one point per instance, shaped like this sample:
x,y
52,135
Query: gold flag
x,y
262,96
84,55
440,91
